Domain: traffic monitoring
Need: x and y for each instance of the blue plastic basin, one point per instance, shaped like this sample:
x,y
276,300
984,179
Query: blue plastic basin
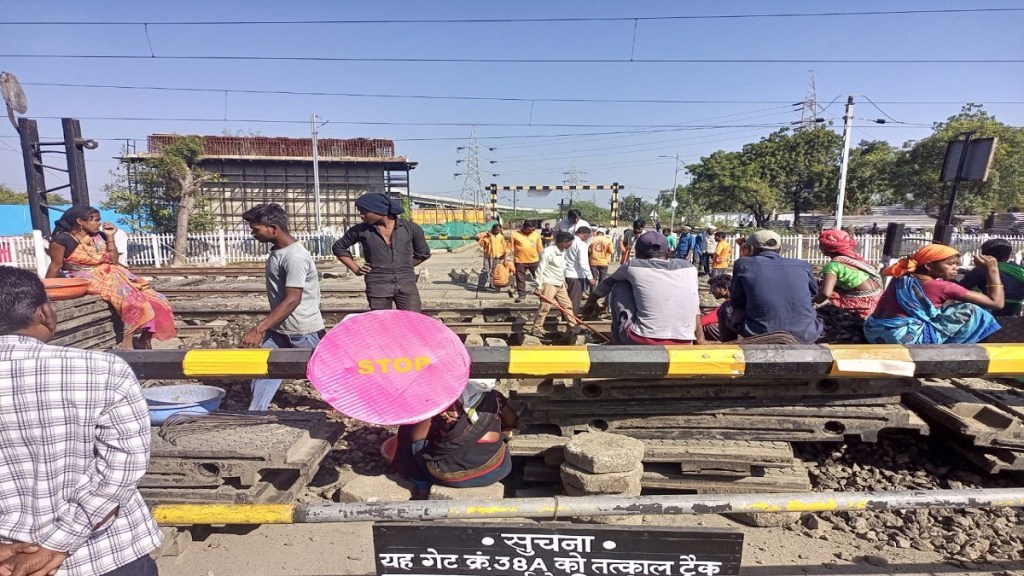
x,y
164,401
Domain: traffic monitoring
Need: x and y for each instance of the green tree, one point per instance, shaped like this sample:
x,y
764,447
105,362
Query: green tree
x,y
792,169
800,166
917,171
9,196
592,212
733,181
691,209
870,180
165,193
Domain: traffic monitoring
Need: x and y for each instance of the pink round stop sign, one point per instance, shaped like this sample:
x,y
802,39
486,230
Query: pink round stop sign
x,y
389,367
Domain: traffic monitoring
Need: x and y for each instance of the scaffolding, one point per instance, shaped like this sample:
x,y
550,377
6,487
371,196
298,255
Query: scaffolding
x,y
256,170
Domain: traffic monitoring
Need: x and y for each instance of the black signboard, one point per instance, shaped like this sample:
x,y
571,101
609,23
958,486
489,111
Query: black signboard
x,y
557,549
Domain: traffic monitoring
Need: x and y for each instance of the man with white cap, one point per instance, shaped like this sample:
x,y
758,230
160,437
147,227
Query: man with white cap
x,y
770,293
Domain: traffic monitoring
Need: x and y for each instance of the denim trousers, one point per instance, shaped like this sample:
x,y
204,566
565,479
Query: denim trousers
x,y
263,389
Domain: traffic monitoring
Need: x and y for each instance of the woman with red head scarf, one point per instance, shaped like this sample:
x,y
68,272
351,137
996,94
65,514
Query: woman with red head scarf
x,y
922,306
847,281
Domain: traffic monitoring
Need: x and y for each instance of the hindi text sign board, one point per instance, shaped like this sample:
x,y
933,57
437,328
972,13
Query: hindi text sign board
x,y
554,550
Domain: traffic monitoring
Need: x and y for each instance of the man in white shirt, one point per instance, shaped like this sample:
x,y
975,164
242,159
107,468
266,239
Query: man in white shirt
x,y
551,280
573,222
578,277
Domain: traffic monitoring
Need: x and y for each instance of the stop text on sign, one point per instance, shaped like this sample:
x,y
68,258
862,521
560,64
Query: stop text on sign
x,y
400,364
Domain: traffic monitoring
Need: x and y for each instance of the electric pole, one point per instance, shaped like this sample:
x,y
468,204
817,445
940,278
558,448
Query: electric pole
x,y
844,166
316,171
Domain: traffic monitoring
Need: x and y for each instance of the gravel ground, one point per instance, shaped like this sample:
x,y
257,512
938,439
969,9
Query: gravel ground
x,y
912,463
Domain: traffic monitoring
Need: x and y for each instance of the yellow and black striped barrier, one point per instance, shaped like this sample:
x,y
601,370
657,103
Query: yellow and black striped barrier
x,y
562,507
713,362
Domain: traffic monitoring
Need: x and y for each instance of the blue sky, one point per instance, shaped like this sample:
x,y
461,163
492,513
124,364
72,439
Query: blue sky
x,y
745,100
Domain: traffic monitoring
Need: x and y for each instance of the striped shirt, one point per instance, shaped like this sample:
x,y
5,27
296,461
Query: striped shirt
x,y
74,443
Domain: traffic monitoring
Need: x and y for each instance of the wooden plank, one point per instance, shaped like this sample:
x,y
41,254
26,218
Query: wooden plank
x,y
663,477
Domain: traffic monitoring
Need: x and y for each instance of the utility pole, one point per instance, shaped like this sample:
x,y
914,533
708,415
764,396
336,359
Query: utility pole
x,y
844,166
316,171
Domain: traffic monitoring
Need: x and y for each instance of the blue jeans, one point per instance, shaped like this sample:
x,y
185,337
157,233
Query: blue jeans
x,y
263,390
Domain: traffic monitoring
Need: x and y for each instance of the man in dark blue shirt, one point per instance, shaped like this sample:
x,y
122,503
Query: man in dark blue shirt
x,y
770,293
684,249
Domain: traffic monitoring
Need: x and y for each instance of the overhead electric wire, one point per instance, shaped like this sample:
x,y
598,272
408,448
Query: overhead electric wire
x,y
884,113
383,123
516,20
425,60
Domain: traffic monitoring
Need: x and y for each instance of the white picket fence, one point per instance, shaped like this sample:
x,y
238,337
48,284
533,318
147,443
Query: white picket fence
x,y
224,248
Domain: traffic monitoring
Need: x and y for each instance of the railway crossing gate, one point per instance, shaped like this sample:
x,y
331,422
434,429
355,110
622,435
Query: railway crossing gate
x,y
614,187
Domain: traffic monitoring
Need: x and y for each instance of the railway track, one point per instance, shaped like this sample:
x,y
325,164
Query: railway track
x,y
501,322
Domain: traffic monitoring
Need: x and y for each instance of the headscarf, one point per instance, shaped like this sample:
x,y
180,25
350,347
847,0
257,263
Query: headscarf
x,y
838,242
69,220
928,254
379,204
475,390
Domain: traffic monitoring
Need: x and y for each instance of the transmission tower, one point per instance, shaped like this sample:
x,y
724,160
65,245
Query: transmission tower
x,y
472,183
572,178
809,108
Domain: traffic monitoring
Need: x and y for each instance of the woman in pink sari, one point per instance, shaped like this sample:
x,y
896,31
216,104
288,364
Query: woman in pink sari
x,y
848,281
81,248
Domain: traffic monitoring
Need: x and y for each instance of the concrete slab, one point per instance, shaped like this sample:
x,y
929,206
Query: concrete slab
x,y
627,483
602,453
495,491
766,519
374,489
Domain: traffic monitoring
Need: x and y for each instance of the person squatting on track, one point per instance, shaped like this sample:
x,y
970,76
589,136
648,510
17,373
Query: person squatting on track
x,y
392,248
526,248
770,293
578,277
76,438
462,447
83,248
551,282
495,251
1010,274
293,289
915,309
711,322
652,299
848,281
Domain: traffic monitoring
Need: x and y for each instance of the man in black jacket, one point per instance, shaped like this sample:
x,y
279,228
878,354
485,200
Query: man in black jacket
x,y
392,248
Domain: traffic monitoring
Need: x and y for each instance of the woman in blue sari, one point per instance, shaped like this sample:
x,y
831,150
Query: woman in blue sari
x,y
922,306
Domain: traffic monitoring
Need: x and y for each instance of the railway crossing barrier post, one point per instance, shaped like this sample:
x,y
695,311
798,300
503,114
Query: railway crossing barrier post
x,y
696,363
